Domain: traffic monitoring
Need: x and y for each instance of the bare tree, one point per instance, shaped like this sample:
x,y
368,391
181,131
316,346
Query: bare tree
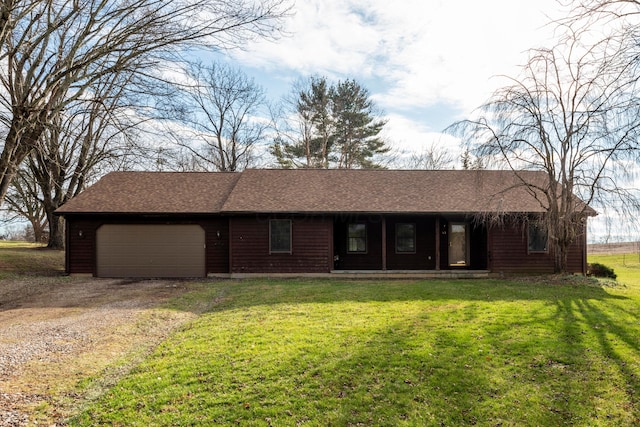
x,y
24,202
223,111
53,51
574,114
432,157
91,135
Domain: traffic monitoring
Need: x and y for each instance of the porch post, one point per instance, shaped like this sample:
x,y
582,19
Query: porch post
x,y
437,243
384,242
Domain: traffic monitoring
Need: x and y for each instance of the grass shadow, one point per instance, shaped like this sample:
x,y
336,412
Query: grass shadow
x,y
363,353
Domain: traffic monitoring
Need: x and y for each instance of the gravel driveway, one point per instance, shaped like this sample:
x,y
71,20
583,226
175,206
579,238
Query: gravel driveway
x,y
58,331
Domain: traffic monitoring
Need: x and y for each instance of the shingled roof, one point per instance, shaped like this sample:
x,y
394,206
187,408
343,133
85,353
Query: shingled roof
x,y
380,191
154,193
310,191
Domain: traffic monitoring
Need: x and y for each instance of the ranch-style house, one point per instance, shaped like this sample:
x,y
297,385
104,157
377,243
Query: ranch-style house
x,y
311,222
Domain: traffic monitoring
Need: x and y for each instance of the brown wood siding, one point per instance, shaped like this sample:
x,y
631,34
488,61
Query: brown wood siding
x,y
217,241
576,262
81,250
424,257
369,260
478,241
310,246
81,245
508,253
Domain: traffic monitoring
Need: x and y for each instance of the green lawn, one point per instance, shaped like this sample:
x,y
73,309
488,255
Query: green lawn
x,y
414,353
29,258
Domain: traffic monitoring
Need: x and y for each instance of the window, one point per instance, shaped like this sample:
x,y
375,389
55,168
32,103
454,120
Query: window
x,y
280,236
406,238
538,239
357,238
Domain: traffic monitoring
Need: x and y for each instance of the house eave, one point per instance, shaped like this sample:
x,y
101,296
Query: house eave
x,y
145,214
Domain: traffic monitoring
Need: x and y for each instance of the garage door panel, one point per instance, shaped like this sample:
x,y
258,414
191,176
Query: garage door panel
x,y
131,250
180,253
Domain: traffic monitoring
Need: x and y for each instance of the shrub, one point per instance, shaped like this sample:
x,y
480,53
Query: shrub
x,y
600,270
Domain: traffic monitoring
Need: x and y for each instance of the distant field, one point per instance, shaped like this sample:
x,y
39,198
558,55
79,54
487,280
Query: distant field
x,y
613,248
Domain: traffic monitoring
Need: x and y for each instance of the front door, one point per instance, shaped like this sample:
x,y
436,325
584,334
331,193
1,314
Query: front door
x,y
458,244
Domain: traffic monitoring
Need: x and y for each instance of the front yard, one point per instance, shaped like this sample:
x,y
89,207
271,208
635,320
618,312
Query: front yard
x,y
525,352
476,352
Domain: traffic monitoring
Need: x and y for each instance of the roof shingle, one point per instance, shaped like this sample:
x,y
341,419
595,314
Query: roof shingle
x,y
310,191
382,191
154,192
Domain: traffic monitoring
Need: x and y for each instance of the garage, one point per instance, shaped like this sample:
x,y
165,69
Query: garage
x,y
150,250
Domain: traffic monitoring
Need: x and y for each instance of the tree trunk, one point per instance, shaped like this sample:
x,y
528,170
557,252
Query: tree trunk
x,y
561,258
8,163
38,231
56,232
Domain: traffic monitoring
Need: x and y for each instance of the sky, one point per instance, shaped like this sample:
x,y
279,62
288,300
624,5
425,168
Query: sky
x,y
426,63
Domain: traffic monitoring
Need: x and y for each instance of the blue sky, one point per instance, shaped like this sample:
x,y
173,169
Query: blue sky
x,y
426,63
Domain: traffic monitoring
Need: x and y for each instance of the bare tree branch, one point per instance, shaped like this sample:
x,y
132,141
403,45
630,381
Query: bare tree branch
x,y
54,51
221,108
574,113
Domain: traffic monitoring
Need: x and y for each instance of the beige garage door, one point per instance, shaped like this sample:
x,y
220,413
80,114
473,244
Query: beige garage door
x,y
150,251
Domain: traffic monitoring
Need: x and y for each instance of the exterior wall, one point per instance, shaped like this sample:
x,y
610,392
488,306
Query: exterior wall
x,y
425,256
508,253
80,245
478,242
241,245
578,255
311,245
81,239
369,260
444,244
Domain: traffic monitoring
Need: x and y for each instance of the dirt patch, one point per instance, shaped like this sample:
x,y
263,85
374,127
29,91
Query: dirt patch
x,y
58,332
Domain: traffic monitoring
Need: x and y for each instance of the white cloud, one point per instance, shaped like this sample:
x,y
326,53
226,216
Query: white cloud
x,y
426,63
409,135
413,52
